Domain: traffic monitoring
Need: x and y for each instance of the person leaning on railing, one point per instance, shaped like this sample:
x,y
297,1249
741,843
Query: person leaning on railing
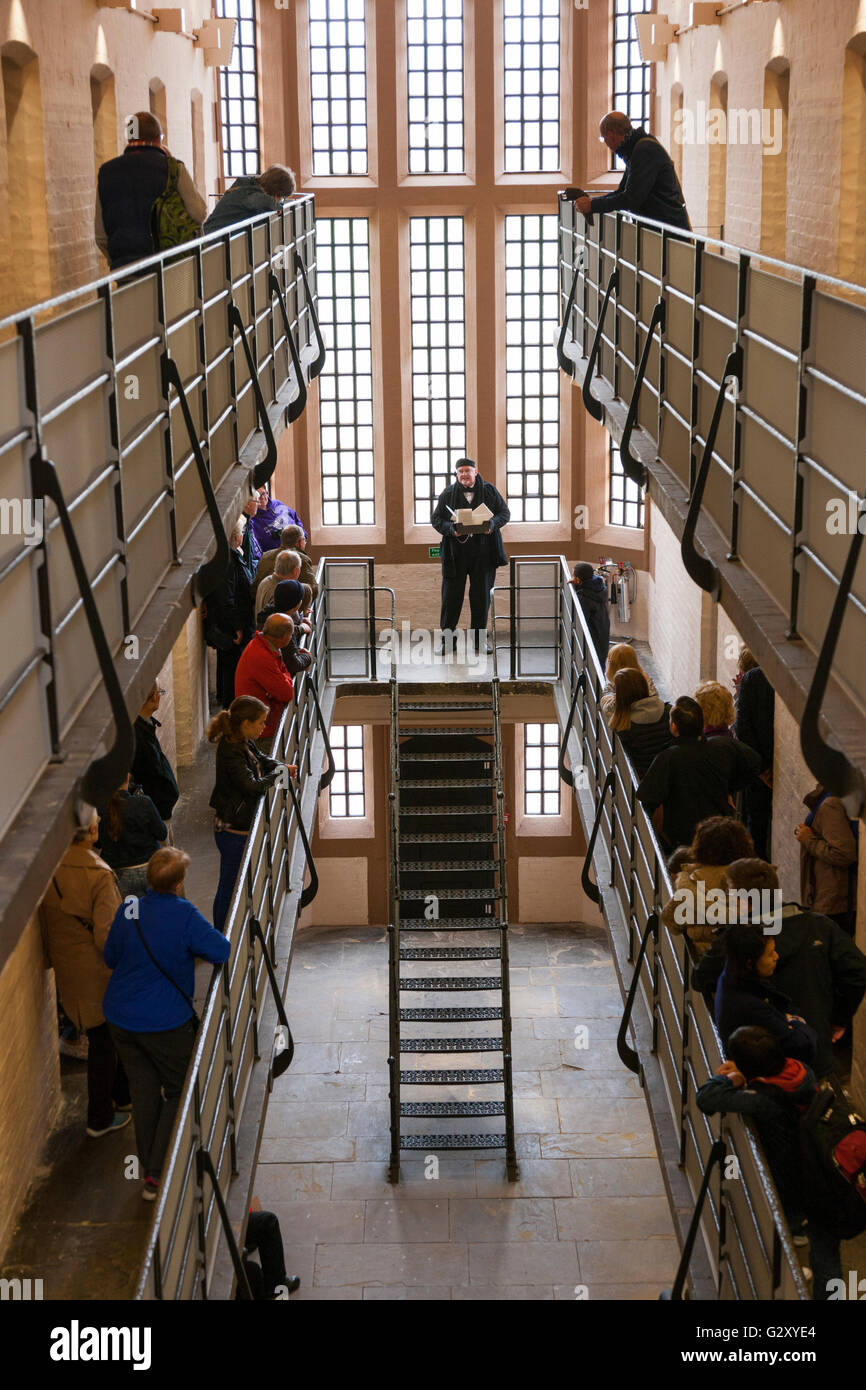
x,y
243,775
649,187
149,1000
250,196
291,538
718,841
641,720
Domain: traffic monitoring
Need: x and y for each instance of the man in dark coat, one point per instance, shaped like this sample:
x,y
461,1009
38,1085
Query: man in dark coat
x,y
229,617
756,708
472,557
592,594
151,769
127,188
649,186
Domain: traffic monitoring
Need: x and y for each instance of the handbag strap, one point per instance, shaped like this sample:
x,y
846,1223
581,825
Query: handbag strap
x,y
162,972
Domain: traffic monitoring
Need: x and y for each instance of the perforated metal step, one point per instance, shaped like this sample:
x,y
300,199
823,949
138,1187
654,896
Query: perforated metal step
x,y
450,952
477,755
449,1015
442,707
452,983
444,731
468,837
448,866
410,895
451,1044
454,1076
408,924
429,782
427,1109
452,1141
485,809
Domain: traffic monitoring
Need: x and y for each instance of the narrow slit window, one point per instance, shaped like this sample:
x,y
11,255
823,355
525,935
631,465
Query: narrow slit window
x,y
239,93
346,381
347,797
541,783
437,286
434,34
338,81
531,372
532,56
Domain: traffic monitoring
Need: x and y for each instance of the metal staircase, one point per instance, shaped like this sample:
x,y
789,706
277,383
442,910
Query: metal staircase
x,y
448,877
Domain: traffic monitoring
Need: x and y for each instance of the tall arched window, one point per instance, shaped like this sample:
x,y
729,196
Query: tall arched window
x,y
774,182
104,108
852,185
717,170
28,213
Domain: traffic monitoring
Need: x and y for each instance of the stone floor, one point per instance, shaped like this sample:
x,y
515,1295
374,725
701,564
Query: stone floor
x,y
588,1217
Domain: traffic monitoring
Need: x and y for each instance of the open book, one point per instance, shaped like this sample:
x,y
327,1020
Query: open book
x,y
469,521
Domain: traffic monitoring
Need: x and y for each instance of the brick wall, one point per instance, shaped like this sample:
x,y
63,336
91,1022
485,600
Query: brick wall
x,y
30,1076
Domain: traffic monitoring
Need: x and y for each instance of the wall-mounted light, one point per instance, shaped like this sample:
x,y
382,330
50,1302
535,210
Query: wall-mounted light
x,y
172,21
654,33
216,39
704,14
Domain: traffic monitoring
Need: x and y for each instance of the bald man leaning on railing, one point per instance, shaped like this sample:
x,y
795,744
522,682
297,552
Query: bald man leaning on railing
x,y
649,187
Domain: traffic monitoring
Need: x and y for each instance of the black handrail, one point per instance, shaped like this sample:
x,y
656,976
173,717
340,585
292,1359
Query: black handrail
x,y
204,1164
295,408
631,464
595,408
565,363
318,361
565,772
312,888
105,774
716,1156
627,1054
263,471
586,883
699,567
830,766
212,573
327,777
281,1058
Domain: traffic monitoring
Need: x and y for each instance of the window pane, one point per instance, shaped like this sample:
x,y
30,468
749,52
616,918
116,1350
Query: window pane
x,y
338,57
625,498
434,30
438,355
532,58
346,380
239,120
541,784
347,795
531,374
632,79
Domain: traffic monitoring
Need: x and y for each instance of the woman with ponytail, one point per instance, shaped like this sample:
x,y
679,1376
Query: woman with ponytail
x,y
243,774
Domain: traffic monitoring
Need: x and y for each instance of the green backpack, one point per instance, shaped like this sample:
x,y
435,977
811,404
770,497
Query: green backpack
x,y
170,223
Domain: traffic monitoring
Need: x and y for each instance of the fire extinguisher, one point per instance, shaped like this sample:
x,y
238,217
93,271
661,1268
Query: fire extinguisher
x,y
622,582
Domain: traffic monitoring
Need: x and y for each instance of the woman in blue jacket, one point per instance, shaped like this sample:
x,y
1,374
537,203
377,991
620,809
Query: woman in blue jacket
x,y
745,997
148,1002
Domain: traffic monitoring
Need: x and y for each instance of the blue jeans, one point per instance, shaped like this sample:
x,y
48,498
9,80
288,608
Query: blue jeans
x,y
231,847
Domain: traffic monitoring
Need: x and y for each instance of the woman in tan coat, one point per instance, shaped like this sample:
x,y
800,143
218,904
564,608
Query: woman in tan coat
x,y
718,842
828,859
77,912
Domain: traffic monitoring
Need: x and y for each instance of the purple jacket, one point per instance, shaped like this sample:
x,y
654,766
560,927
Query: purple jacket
x,y
269,523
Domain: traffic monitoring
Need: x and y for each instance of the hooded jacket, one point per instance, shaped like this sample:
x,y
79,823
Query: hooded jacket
x,y
489,546
244,199
77,912
594,599
649,733
649,187
827,859
820,969
753,1001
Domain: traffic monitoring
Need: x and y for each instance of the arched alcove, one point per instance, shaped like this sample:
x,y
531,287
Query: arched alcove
x,y
852,182
103,105
196,105
774,168
717,155
677,129
157,104
28,213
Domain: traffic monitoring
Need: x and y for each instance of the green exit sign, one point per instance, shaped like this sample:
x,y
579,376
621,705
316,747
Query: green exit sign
x,y
434,551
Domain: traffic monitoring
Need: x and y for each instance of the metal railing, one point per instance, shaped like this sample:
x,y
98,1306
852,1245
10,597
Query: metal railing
x,y
127,408
745,377
742,1223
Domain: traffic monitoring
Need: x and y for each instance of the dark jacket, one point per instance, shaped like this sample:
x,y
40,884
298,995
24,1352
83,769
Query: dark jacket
x,y
230,607
127,188
649,186
243,775
820,970
491,546
244,199
776,1111
296,657
139,998
143,832
594,599
756,707
752,1001
151,769
692,780
648,734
